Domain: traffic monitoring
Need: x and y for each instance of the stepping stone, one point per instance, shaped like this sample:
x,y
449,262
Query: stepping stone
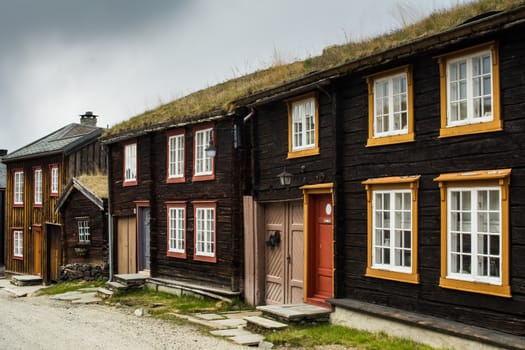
x,y
115,286
248,340
16,293
209,317
104,293
87,299
26,280
232,332
69,296
229,323
264,323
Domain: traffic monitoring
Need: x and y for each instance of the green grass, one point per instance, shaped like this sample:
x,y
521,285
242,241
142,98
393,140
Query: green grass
x,y
310,336
71,286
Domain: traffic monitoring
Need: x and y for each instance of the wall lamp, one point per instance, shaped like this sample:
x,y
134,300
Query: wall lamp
x,y
210,150
285,178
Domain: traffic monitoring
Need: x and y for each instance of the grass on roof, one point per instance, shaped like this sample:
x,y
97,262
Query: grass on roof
x,y
221,96
98,184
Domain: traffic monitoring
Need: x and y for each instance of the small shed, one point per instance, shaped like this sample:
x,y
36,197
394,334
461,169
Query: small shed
x,y
83,205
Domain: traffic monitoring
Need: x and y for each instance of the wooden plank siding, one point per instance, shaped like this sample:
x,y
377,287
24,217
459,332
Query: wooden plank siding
x,y
27,216
430,156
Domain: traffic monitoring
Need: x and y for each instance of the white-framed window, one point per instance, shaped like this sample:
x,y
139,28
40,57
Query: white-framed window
x,y
474,234
84,234
391,105
470,89
18,190
203,164
392,230
205,232
54,179
303,124
37,175
176,156
18,243
177,230
130,163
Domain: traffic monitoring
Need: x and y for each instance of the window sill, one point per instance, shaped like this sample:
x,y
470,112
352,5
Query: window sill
x,y
303,153
18,258
476,287
210,259
392,275
129,183
196,178
176,255
477,128
175,180
390,140
18,205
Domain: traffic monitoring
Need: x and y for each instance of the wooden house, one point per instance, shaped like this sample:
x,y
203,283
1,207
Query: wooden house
x,y
177,208
417,156
83,208
2,204
36,176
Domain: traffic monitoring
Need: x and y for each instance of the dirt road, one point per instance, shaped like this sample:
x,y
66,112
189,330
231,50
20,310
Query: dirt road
x,y
39,323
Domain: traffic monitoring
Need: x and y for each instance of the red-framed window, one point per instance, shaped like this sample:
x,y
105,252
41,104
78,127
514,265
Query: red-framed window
x,y
37,186
54,177
18,187
18,242
176,229
205,230
203,165
130,164
175,156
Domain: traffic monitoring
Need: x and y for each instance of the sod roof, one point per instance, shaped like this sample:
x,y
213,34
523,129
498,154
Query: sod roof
x,y
225,97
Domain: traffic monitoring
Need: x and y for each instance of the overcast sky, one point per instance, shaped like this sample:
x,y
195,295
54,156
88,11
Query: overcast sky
x,y
119,58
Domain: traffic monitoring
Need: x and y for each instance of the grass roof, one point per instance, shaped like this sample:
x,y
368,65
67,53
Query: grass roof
x,y
98,184
219,98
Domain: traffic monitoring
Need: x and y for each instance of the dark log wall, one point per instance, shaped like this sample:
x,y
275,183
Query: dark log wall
x,y
2,224
271,151
78,206
430,156
225,189
123,198
90,159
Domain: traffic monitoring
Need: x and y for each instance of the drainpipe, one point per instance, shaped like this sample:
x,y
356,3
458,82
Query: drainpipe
x,y
110,218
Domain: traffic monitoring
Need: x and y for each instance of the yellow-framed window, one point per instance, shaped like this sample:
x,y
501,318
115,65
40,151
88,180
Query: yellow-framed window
x,y
390,107
392,228
303,126
475,231
469,91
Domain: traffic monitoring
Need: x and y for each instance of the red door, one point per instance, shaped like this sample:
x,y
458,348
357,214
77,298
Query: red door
x,y
321,249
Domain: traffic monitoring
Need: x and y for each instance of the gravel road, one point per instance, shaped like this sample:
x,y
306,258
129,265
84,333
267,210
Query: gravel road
x,y
39,323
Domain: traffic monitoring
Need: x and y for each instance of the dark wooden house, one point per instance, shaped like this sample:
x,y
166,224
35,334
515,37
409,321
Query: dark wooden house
x,y
418,151
83,207
36,176
2,204
177,207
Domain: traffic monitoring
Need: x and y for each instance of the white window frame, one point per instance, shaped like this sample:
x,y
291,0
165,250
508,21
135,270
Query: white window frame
x,y
37,173
84,233
390,223
475,234
303,124
177,230
205,239
203,164
469,97
130,163
18,187
390,97
54,179
176,156
18,243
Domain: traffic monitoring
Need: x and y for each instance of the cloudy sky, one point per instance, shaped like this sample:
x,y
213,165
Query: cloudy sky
x,y
118,58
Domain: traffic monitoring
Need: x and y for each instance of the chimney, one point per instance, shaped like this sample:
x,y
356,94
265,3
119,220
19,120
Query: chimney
x,y
3,152
88,119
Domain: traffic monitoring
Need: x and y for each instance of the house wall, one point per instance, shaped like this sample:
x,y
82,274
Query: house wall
x,y
78,206
2,225
90,159
225,189
430,156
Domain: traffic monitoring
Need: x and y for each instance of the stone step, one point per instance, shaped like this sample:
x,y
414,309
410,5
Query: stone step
x,y
131,280
257,323
296,313
26,280
104,293
115,286
240,336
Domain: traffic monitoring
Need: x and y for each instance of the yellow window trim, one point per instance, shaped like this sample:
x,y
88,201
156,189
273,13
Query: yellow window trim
x,y
393,183
499,177
393,139
496,124
304,152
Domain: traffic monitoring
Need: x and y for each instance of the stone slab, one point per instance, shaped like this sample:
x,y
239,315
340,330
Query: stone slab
x,y
231,332
69,296
294,312
248,340
229,323
87,299
131,277
265,323
26,280
16,293
210,317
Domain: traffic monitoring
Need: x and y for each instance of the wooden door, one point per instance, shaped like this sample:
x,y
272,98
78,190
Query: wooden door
x,y
37,250
126,244
284,253
322,247
53,233
144,238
